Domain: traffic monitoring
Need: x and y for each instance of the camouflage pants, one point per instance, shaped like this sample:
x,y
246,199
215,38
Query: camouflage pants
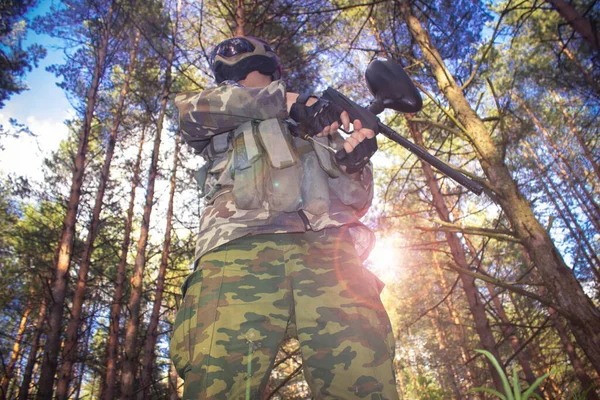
x,y
248,294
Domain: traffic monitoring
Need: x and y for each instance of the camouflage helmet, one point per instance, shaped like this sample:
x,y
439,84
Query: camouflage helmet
x,y
233,59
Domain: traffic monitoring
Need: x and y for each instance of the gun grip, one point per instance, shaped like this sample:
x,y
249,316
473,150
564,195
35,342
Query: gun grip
x,y
341,155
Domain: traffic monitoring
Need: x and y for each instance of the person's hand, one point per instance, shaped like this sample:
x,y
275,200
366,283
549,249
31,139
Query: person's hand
x,y
359,146
316,116
357,136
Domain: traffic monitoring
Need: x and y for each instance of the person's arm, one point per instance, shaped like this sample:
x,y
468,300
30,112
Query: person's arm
x,y
224,108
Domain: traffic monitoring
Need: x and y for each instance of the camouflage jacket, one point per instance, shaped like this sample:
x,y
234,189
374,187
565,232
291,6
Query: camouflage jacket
x,y
208,120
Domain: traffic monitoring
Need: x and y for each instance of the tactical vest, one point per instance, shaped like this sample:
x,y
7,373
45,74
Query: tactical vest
x,y
264,166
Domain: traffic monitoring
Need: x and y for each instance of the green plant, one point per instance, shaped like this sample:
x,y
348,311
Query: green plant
x,y
512,392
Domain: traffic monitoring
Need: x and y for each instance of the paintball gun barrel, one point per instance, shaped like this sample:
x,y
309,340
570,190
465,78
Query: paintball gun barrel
x,y
393,89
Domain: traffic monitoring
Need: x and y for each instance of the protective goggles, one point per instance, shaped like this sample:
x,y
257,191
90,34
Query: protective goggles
x,y
233,47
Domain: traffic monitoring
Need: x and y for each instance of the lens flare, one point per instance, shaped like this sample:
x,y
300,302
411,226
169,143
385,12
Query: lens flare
x,y
386,258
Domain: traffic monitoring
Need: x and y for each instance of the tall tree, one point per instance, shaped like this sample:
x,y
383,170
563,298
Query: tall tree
x,y
130,363
486,336
99,31
584,317
110,380
33,351
152,331
70,345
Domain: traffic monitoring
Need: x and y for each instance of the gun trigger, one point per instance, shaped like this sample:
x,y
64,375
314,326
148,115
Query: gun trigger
x,y
328,148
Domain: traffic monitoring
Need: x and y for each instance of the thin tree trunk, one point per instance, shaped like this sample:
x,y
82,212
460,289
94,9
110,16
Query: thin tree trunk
x,y
86,344
110,383
173,383
9,369
586,72
511,335
130,358
570,176
59,289
509,331
580,139
578,22
567,216
456,319
35,341
576,363
152,332
70,346
174,377
477,308
583,316
240,18
471,380
443,354
552,388
411,373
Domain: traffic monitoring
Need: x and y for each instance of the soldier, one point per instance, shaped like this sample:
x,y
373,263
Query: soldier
x,y
280,245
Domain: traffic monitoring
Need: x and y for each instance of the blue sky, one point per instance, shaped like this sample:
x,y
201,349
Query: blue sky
x,y
43,108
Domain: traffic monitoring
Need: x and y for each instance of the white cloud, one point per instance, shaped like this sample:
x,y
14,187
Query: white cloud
x,y
24,155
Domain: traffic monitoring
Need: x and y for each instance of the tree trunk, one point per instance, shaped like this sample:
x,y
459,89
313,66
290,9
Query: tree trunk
x,y
571,177
240,18
86,344
567,216
578,22
9,369
59,288
173,386
576,363
509,331
443,354
35,341
477,308
70,346
583,317
580,139
511,335
130,358
562,48
110,382
460,335
152,332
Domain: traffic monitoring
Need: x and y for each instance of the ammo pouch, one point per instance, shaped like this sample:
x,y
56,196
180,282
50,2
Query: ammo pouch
x,y
216,173
314,188
265,167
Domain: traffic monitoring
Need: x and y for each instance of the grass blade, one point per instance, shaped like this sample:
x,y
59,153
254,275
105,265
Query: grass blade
x,y
507,390
488,390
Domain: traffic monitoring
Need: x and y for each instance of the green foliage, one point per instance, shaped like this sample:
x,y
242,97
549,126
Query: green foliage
x,y
512,389
15,61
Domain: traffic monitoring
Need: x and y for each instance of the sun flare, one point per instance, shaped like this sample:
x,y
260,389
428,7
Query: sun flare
x,y
386,259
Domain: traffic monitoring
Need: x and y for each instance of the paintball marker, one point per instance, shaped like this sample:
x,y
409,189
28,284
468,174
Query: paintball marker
x,y
393,89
